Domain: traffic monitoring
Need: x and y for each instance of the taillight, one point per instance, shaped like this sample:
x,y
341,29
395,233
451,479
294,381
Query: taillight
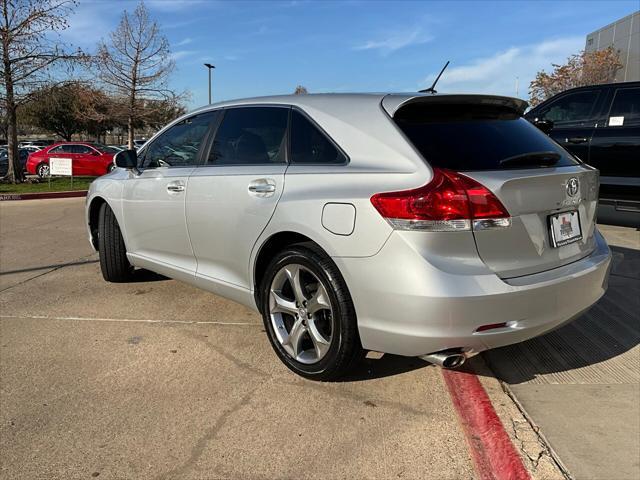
x,y
450,202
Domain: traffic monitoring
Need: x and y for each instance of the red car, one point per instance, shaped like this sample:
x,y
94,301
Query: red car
x,y
91,159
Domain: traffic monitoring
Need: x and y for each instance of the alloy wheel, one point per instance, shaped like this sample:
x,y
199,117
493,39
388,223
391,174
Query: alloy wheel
x,y
43,170
301,313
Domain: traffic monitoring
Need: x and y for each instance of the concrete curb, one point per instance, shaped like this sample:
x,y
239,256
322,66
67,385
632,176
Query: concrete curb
x,y
494,455
6,197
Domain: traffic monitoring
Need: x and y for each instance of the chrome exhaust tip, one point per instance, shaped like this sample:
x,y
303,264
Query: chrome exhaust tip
x,y
446,359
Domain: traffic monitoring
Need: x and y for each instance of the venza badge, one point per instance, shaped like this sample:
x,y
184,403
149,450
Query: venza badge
x,y
573,186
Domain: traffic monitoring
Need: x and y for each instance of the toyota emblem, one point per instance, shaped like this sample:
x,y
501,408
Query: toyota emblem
x,y
573,186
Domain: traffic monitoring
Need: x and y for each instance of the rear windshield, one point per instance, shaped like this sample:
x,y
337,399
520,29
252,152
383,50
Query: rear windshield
x,y
475,137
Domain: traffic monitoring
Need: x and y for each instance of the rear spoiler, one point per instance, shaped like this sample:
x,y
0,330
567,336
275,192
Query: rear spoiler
x,y
393,102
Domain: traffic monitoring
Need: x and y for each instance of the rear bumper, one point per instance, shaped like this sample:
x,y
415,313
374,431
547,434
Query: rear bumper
x,y
407,306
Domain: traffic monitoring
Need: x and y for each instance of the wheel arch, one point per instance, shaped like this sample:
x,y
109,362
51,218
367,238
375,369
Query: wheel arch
x,y
93,217
273,244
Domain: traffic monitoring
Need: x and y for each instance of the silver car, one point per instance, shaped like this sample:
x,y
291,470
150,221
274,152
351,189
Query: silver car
x,y
423,225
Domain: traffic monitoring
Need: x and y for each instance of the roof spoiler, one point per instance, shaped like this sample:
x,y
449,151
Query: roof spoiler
x,y
393,103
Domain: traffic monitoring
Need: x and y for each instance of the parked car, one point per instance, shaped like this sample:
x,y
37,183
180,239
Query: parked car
x,y
601,125
91,159
32,148
136,144
36,143
4,159
417,224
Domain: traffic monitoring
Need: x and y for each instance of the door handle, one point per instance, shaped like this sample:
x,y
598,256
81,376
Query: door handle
x,y
265,188
262,187
576,140
175,187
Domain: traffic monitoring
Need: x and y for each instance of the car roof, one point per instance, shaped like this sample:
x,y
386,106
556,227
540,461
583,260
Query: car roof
x,y
335,102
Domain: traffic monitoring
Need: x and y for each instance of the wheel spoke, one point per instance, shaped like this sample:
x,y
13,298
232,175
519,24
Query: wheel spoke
x,y
319,301
320,344
295,336
279,304
294,275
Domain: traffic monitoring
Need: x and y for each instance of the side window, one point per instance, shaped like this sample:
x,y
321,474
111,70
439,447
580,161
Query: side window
x,y
311,146
62,149
178,146
625,109
575,107
250,136
83,149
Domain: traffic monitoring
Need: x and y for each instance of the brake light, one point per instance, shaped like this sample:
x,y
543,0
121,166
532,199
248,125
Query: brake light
x,y
450,202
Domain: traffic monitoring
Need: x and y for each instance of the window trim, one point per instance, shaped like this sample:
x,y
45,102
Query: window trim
x,y
613,99
224,110
325,134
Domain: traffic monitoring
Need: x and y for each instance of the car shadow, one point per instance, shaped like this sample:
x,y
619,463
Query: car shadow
x,y
386,366
609,329
141,275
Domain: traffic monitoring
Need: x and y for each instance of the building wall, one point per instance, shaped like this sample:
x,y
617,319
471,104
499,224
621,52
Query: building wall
x,y
623,35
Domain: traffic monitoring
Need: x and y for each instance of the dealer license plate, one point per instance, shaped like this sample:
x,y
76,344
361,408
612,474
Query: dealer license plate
x,y
565,228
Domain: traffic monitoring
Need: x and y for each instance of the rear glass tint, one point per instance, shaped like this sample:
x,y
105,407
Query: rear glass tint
x,y
474,137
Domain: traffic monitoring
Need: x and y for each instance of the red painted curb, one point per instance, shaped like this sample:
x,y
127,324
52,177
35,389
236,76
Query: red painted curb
x,y
4,197
493,454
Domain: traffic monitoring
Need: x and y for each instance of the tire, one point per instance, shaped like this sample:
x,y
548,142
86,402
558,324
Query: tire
x,y
113,254
111,168
42,170
329,345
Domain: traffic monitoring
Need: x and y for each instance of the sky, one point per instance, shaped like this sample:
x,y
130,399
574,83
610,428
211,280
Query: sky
x,y
268,47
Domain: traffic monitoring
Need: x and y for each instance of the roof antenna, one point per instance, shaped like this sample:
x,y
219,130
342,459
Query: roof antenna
x,y
432,88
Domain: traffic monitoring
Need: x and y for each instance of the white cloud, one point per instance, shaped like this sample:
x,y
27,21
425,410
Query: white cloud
x,y
184,41
497,73
180,54
395,41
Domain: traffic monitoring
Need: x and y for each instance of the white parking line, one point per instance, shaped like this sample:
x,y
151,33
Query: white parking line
x,y
126,320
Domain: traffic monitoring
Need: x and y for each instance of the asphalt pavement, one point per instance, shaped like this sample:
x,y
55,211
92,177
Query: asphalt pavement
x,y
156,379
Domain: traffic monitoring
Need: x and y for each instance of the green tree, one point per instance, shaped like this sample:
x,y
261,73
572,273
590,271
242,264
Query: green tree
x,y
57,109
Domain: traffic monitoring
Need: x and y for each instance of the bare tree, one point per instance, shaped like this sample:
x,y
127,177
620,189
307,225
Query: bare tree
x,y
136,64
584,68
300,90
28,53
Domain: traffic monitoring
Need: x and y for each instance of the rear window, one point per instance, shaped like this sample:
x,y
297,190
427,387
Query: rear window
x,y
474,137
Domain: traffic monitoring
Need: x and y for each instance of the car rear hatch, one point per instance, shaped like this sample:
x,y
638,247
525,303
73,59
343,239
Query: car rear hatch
x,y
550,196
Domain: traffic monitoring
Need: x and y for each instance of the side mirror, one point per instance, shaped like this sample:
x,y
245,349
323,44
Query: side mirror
x,y
127,159
545,125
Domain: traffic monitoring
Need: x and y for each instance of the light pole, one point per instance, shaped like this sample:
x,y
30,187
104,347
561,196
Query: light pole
x,y
209,67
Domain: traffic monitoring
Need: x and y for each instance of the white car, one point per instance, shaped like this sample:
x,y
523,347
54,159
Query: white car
x,y
414,224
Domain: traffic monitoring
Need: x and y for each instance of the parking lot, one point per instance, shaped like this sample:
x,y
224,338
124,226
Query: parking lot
x,y
155,379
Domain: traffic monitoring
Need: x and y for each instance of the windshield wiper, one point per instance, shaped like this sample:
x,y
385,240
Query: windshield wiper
x,y
542,159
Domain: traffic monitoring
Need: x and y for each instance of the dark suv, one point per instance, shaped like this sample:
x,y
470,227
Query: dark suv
x,y
600,124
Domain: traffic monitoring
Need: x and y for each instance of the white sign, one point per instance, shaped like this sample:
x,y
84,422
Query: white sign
x,y
60,166
616,121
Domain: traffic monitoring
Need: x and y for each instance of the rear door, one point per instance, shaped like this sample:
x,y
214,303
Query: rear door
x,y
233,195
494,146
615,146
